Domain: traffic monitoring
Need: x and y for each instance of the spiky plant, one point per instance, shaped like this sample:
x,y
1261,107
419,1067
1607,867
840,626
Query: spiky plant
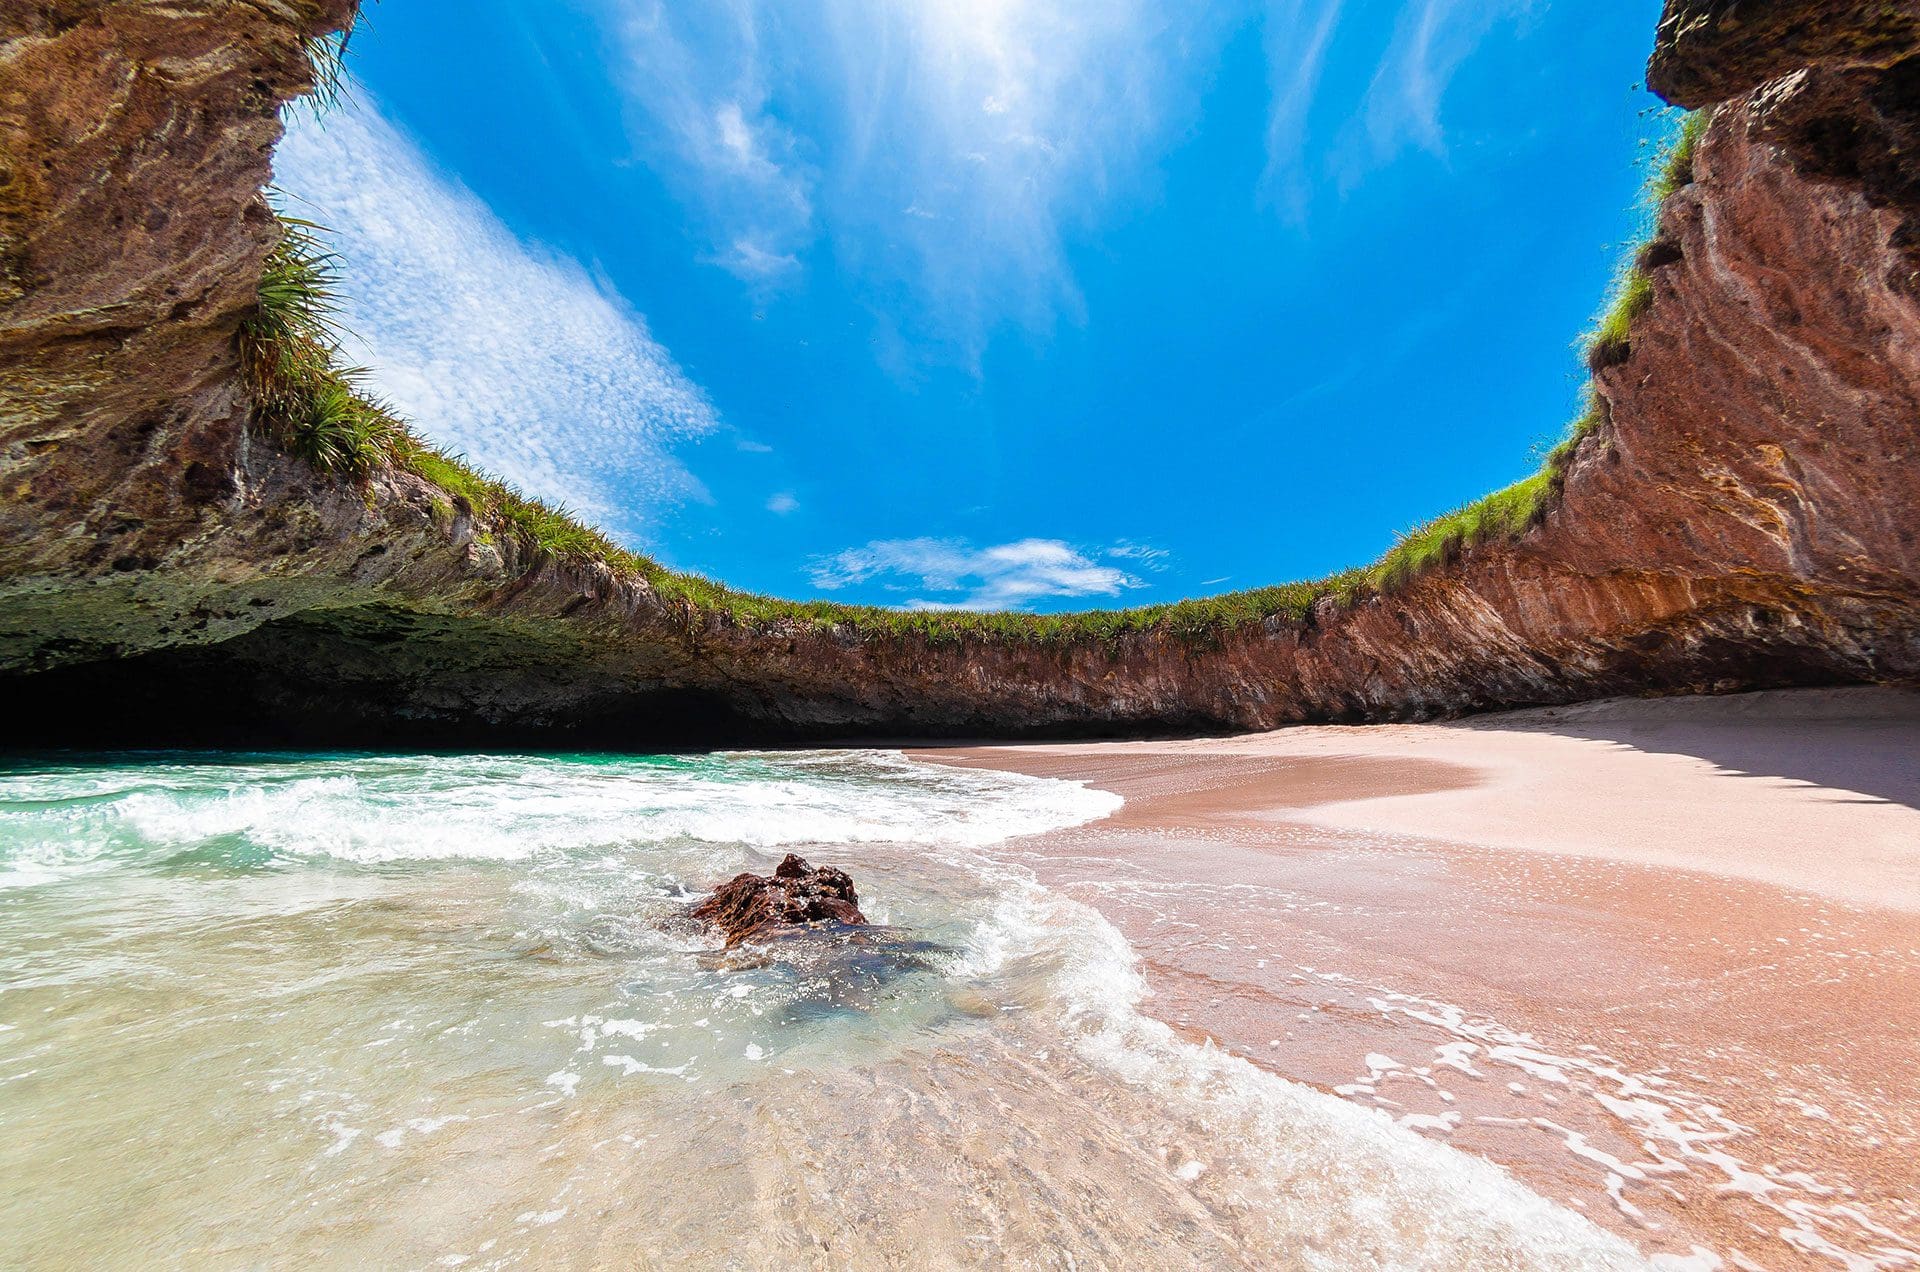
x,y
327,55
290,336
289,350
336,430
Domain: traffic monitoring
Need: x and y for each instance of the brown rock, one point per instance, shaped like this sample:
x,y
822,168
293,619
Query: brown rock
x,y
754,907
1711,51
1746,515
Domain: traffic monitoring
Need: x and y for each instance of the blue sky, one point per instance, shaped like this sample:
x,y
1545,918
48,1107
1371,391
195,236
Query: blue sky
x,y
1051,304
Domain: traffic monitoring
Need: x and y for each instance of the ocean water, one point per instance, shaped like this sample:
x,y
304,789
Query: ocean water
x,y
437,1011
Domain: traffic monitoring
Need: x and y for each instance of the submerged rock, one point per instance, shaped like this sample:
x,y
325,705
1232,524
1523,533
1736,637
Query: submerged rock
x,y
828,971
757,907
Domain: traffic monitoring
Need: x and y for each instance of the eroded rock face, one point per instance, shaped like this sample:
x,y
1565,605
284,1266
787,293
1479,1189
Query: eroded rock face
x,y
751,907
1834,84
134,142
1747,516
1711,51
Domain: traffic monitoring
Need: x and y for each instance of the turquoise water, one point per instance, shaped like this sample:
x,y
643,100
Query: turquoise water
x,y
440,1011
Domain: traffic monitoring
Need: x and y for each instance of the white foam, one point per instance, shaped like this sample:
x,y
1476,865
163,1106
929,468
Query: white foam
x,y
371,810
1380,1178
416,1126
1678,1130
631,1066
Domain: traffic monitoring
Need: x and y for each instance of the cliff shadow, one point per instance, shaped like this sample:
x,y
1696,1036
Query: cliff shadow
x,y
1861,743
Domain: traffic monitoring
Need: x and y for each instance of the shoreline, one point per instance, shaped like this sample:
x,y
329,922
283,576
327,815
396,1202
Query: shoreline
x,y
1660,959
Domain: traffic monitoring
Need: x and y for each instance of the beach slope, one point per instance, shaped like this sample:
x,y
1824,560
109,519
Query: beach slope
x,y
1660,958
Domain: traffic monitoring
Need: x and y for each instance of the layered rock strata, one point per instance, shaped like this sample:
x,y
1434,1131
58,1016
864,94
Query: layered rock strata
x,y
1745,515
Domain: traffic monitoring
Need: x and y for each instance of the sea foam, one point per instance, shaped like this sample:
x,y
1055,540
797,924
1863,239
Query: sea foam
x,y
368,810
1373,1191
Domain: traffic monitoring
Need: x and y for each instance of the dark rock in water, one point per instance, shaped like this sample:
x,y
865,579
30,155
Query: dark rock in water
x,y
753,907
823,972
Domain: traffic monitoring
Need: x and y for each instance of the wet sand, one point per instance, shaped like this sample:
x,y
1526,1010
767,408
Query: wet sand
x,y
1660,959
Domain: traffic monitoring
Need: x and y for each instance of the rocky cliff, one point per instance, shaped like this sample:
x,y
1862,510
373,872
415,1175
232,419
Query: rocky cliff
x,y
1744,513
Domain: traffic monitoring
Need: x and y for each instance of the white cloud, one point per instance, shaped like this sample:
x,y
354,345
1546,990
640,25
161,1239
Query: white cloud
x,y
494,347
1432,40
748,260
1146,554
782,503
736,137
1005,576
996,124
697,78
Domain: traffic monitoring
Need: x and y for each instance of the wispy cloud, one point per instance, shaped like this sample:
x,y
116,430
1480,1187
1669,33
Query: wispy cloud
x,y
953,574
751,262
1145,554
1299,33
782,503
511,354
1006,124
941,155
941,148
698,77
1395,103
1431,41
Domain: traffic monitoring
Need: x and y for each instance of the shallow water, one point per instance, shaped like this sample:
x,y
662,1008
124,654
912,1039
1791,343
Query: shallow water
x,y
434,1010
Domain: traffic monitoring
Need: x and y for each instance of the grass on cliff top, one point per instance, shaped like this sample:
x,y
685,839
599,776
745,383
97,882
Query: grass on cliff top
x,y
319,411
1510,512
326,55
1610,343
1676,171
290,352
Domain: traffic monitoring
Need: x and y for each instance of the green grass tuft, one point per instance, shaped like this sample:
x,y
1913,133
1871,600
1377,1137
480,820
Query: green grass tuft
x,y
326,56
1610,341
1677,172
297,305
289,351
338,430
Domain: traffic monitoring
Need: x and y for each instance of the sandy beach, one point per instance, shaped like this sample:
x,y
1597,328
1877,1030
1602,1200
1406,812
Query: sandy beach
x,y
1661,959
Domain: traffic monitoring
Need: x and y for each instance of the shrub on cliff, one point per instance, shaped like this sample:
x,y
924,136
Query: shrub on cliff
x,y
1507,513
289,349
